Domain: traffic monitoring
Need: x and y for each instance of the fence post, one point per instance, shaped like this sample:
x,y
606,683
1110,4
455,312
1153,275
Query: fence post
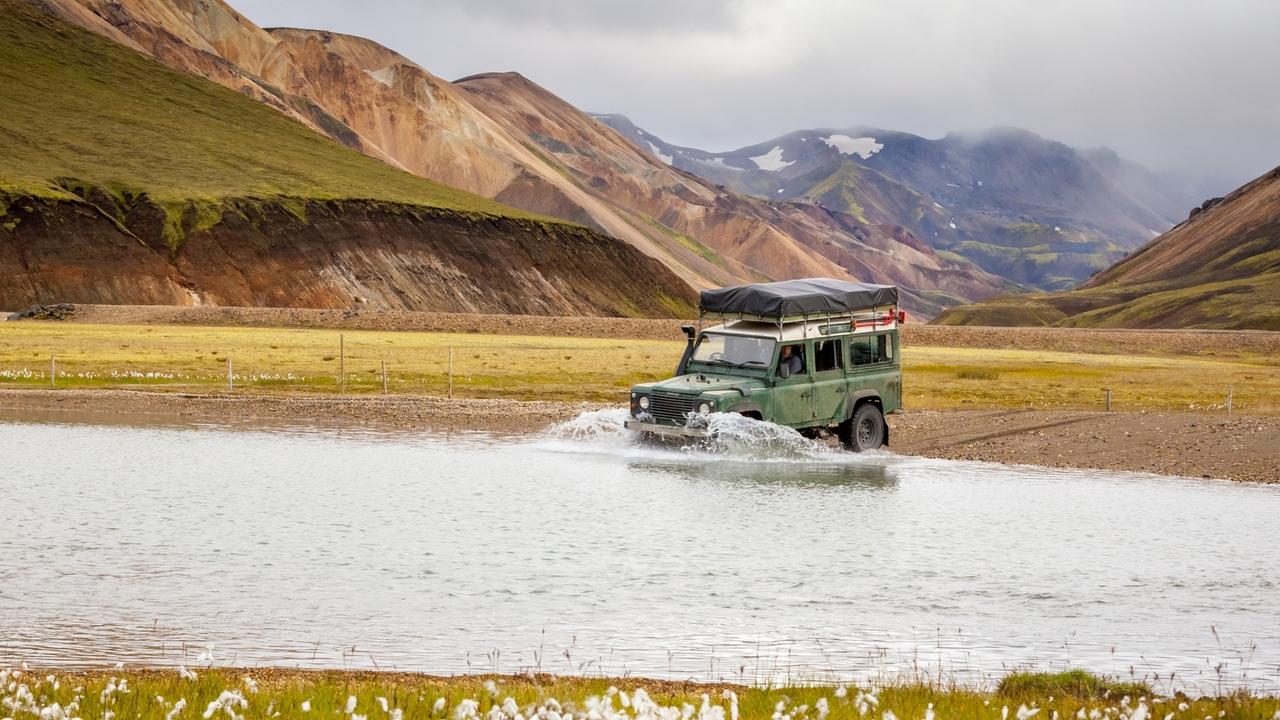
x,y
1231,390
450,372
230,382
384,377
342,363
1108,399
53,371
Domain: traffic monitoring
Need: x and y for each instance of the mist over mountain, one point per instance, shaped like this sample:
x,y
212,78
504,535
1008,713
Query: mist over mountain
x,y
1023,207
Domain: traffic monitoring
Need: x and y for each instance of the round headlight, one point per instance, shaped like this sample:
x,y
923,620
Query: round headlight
x,y
704,408
643,402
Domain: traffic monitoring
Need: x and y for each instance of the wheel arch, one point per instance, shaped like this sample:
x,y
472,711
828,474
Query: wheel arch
x,y
865,396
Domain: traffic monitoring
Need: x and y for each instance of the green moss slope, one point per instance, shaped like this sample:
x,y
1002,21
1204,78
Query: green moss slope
x,y
81,110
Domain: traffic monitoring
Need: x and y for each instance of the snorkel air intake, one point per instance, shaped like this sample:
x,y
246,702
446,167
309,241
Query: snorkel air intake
x,y
683,367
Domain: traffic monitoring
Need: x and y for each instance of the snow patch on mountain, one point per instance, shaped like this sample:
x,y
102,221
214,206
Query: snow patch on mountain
x,y
658,154
772,160
386,75
863,147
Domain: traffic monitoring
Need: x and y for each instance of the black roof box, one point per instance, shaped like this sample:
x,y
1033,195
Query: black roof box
x,y
792,298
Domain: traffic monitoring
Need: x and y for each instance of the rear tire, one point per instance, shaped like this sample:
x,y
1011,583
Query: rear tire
x,y
863,431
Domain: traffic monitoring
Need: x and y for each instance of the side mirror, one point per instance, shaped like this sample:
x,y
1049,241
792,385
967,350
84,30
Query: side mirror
x,y
784,372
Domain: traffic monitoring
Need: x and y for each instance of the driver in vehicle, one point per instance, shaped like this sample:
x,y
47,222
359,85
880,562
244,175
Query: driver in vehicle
x,y
791,360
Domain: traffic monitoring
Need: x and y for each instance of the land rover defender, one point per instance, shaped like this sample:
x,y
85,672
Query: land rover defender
x,y
811,354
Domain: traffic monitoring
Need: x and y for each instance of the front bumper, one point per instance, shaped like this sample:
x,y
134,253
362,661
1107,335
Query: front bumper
x,y
665,430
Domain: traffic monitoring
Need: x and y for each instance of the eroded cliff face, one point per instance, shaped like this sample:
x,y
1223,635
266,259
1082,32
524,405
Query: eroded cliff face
x,y
333,254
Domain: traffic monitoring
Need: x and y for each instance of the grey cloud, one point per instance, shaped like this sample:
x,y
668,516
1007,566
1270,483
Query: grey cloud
x,y
1181,86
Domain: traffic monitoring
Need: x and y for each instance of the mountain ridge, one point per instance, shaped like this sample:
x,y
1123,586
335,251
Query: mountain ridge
x,y
377,101
1219,268
1029,209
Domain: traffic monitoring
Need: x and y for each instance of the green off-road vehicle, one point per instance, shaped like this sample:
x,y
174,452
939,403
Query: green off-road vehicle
x,y
809,354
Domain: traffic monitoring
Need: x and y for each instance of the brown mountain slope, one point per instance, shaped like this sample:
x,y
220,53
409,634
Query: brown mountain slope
x,y
1218,269
726,225
378,101
123,181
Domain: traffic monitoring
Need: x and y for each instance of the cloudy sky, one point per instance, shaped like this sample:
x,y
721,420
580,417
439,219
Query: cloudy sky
x,y
1184,86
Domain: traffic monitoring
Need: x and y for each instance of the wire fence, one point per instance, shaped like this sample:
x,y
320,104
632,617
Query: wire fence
x,y
538,367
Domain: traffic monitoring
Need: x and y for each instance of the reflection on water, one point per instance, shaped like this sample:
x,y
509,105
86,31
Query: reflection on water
x,y
760,557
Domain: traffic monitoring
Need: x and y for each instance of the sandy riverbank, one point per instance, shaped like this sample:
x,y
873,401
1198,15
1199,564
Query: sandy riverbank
x,y
1241,448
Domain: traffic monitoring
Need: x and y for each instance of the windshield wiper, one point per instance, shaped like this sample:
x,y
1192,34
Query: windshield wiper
x,y
730,363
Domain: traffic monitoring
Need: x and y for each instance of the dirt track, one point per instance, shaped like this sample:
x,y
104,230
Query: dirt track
x,y
1189,444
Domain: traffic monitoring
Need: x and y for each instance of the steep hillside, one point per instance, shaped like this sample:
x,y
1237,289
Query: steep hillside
x,y
724,226
124,181
1027,209
547,158
1218,269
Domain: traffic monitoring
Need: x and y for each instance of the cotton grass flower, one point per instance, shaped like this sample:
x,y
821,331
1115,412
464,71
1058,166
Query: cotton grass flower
x,y
185,674
351,704
177,709
306,706
438,706
382,703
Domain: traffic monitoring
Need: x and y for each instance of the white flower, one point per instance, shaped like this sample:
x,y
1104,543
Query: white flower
x,y
228,701
438,707
382,703
823,709
1025,712
351,704
251,684
491,687
306,706
888,715
1141,713
928,713
467,709
397,714
842,691
177,708
185,674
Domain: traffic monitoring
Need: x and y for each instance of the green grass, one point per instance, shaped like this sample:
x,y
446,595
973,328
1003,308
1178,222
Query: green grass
x,y
1248,303
1078,684
267,360
258,693
81,111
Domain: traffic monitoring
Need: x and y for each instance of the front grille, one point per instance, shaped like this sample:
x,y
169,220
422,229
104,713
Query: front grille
x,y
671,408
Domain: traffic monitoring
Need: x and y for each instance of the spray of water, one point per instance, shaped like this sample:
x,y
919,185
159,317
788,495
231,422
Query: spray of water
x,y
730,437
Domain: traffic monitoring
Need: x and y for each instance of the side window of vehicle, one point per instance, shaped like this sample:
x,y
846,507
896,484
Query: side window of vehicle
x,y
826,356
792,356
870,349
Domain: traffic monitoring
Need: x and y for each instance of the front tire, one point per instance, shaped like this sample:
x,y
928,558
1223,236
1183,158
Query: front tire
x,y
864,431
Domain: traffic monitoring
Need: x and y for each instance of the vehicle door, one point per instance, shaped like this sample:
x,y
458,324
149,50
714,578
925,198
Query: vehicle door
x,y
872,366
792,401
830,388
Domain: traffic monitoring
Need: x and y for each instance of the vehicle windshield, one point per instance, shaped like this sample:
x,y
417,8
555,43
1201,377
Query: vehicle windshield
x,y
733,350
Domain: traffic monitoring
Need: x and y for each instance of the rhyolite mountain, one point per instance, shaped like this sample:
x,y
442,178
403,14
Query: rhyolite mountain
x,y
503,137
125,181
1030,210
1220,268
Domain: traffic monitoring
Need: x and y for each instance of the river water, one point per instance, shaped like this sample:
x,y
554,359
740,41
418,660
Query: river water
x,y
766,558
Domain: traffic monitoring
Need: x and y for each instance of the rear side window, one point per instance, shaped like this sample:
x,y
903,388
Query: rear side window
x,y
870,349
826,356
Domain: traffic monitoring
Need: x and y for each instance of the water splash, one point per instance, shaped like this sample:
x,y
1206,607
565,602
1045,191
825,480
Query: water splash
x,y
731,437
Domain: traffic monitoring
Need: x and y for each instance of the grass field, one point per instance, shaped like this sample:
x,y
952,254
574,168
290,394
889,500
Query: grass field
x,y
266,360
123,122
359,696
